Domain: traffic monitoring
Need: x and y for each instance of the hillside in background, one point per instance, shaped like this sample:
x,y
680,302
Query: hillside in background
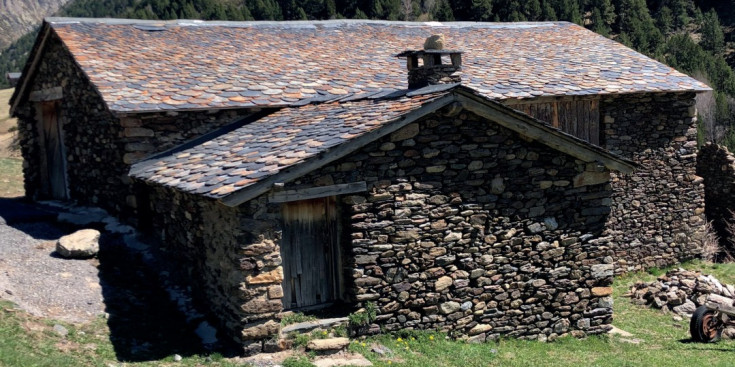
x,y
695,36
18,17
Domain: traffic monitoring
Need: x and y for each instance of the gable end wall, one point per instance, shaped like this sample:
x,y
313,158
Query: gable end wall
x,y
99,145
465,227
658,211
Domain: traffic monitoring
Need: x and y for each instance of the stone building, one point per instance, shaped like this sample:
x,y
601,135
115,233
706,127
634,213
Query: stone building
x,y
286,168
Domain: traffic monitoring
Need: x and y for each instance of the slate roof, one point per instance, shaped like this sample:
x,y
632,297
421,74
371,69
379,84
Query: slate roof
x,y
259,151
140,66
272,144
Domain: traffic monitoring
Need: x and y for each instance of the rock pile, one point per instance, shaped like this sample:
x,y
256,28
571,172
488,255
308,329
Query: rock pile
x,y
680,291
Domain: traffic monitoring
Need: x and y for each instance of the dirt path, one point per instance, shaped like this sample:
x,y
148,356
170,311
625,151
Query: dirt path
x,y
38,281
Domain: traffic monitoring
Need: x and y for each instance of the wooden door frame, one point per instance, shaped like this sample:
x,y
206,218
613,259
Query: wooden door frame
x,y
46,187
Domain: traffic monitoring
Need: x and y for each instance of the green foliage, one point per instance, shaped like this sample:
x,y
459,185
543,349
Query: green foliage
x,y
319,334
300,340
340,331
482,10
364,317
296,317
443,12
713,38
297,362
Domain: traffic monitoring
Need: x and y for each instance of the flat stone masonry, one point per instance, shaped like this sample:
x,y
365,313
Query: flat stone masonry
x,y
657,214
716,165
470,229
466,227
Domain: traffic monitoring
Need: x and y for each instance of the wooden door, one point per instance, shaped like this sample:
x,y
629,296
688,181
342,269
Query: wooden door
x,y
309,249
54,160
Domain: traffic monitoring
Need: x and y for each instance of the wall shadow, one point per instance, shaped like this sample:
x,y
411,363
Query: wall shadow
x,y
144,324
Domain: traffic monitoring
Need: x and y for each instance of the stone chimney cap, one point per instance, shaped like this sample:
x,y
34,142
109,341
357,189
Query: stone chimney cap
x,y
419,53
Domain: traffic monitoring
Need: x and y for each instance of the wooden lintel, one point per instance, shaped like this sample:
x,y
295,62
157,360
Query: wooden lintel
x,y
43,95
317,192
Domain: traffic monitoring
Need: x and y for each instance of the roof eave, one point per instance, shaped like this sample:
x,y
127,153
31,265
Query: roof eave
x,y
30,67
337,152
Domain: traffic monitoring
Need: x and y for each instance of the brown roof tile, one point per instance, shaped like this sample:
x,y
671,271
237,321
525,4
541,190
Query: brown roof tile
x,y
202,65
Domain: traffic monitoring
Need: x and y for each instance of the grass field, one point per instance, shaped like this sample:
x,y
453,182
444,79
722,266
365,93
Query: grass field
x,y
661,341
11,177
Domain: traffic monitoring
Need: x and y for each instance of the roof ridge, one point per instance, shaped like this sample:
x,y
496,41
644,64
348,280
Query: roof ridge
x,y
297,23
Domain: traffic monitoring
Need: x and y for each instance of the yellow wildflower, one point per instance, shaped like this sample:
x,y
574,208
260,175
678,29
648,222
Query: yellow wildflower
x,y
399,339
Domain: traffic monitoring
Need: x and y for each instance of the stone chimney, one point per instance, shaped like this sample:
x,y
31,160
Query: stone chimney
x,y
425,66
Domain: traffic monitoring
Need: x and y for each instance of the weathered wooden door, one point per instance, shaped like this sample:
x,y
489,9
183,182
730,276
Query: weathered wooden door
x,y
309,249
54,161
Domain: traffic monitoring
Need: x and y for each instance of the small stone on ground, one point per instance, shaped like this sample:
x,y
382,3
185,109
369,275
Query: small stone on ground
x,y
328,344
616,331
80,244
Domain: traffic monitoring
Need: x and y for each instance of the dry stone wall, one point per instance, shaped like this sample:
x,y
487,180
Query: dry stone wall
x,y
232,258
89,133
466,228
658,211
470,229
100,146
717,166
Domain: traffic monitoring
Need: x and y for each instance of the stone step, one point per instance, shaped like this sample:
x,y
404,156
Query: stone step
x,y
331,344
307,326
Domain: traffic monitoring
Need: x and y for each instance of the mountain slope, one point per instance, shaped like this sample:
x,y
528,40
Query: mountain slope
x,y
18,17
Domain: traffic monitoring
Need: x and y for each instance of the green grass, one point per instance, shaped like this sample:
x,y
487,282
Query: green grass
x,y
29,341
11,177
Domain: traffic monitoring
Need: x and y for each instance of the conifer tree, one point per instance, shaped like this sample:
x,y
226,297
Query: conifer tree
x,y
713,38
443,12
482,10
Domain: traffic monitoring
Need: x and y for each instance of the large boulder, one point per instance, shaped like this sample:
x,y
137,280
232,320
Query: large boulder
x,y
79,245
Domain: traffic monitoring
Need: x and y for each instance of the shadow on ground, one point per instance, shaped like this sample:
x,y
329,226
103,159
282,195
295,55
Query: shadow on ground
x,y
144,323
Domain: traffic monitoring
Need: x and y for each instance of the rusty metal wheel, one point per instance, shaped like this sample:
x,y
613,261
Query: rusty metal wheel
x,y
705,326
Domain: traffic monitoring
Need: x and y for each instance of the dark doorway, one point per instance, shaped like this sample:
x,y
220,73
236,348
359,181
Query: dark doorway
x,y
310,252
53,159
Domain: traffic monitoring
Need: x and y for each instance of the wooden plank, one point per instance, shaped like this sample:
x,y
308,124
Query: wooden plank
x,y
317,192
595,122
307,250
335,153
544,134
43,95
720,303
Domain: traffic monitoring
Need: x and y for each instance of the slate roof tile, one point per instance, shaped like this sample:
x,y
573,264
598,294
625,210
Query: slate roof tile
x,y
271,144
201,65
